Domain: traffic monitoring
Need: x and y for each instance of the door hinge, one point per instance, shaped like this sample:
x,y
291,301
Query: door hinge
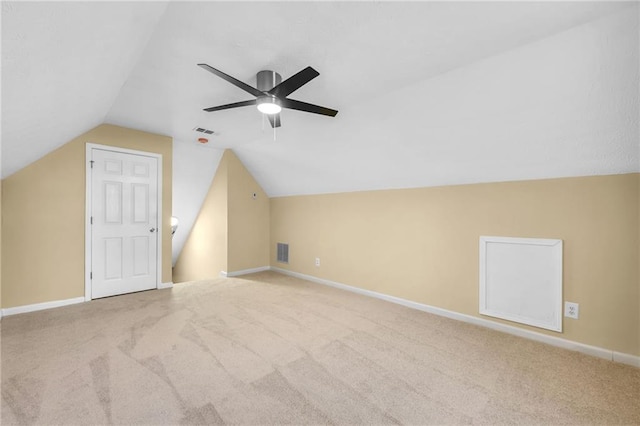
x,y
91,161
90,275
91,222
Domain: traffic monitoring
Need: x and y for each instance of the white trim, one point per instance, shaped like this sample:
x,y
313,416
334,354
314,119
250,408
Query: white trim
x,y
87,214
160,226
165,285
246,271
87,223
223,274
626,359
41,306
629,359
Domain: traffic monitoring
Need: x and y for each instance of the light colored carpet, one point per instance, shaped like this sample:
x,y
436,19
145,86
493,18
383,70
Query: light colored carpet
x,y
271,349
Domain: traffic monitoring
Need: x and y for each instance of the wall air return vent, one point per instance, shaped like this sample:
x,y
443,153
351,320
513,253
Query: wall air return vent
x,y
283,253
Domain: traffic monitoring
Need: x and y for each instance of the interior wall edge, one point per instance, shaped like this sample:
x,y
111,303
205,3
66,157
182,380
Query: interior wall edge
x,y
248,219
204,253
454,185
231,232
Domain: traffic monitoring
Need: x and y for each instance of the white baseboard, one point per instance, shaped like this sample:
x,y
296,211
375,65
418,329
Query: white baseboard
x,y
245,271
626,359
41,306
55,304
527,334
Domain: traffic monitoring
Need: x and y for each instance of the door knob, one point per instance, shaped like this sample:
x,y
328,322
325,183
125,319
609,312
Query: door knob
x,y
152,230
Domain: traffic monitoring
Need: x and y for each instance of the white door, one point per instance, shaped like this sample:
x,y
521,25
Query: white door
x,y
124,222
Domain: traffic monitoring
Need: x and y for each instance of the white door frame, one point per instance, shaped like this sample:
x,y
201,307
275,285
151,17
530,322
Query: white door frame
x,y
87,214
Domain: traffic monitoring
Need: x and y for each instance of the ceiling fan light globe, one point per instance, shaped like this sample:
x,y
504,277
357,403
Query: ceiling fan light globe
x,y
269,105
269,108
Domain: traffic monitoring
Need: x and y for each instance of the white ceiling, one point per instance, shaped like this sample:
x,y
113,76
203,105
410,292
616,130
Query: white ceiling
x,y
429,93
63,66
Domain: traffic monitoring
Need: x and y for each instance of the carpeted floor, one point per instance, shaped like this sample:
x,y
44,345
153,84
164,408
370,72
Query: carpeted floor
x,y
271,349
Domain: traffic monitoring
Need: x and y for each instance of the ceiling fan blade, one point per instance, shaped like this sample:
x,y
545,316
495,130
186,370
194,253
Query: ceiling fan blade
x,y
255,92
274,119
294,82
233,105
303,106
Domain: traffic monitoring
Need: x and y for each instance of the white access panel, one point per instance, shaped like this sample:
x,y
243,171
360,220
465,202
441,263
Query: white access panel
x,y
521,280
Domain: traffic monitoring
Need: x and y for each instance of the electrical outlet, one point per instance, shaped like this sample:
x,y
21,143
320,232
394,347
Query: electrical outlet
x,y
571,310
317,261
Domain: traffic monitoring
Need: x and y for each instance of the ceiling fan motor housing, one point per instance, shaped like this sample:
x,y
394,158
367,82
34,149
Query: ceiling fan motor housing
x,y
267,80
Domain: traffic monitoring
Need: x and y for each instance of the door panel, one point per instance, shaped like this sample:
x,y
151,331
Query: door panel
x,y
140,203
140,255
124,211
112,258
112,202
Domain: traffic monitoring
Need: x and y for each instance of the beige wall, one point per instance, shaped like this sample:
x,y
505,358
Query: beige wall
x,y
0,245
43,208
204,253
422,244
231,232
248,219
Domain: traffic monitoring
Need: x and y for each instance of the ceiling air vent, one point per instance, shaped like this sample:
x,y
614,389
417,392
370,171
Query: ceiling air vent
x,y
203,130
283,253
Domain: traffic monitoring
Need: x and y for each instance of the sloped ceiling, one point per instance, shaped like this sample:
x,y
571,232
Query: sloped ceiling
x,y
63,66
67,67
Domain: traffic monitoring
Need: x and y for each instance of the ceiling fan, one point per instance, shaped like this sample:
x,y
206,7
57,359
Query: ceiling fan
x,y
271,94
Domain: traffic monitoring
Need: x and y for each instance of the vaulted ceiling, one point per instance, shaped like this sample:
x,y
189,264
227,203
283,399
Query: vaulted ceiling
x,y
429,93
69,66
